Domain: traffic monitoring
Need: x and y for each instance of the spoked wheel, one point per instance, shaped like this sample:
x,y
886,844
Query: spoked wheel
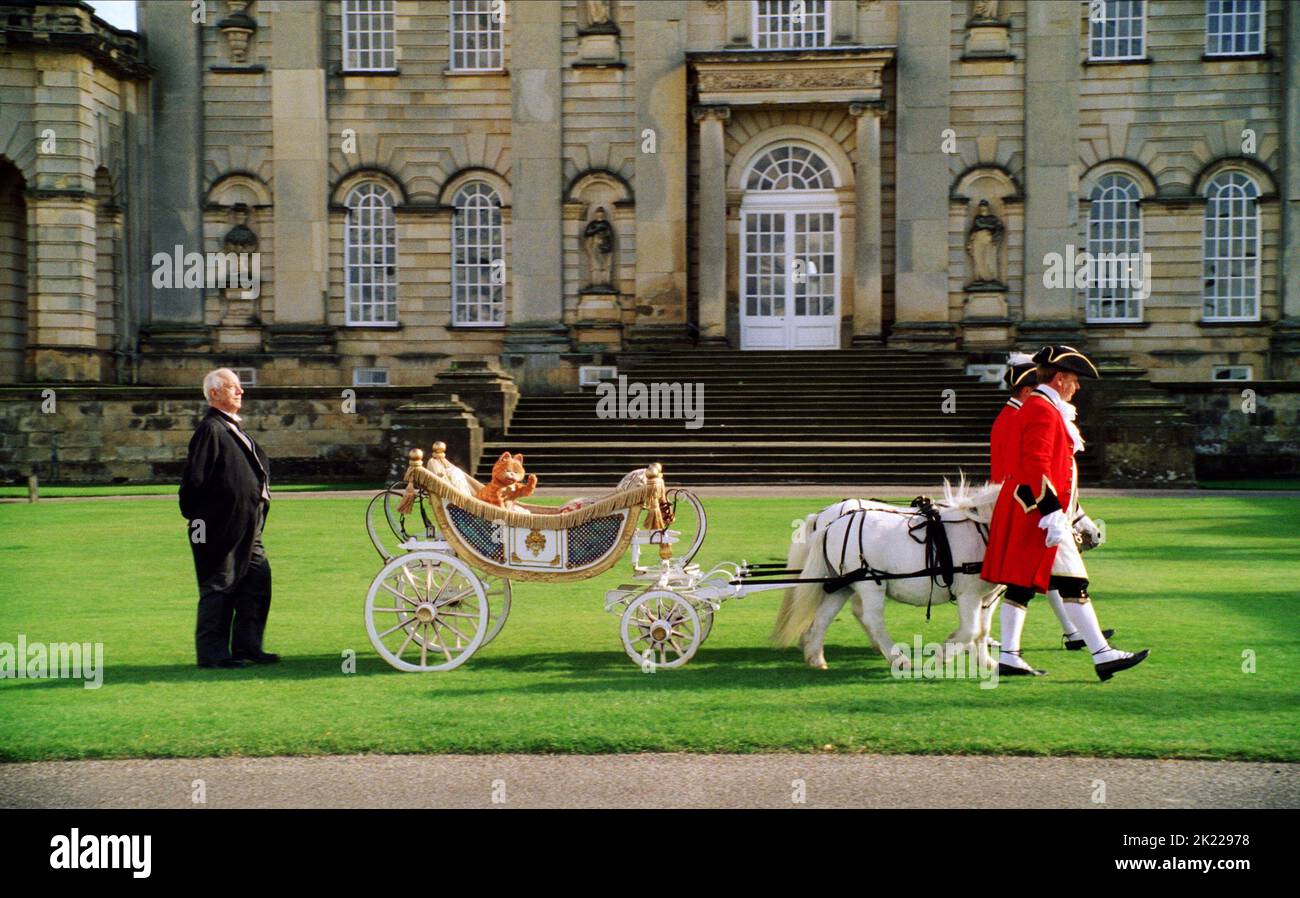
x,y
689,520
660,629
705,612
498,595
426,611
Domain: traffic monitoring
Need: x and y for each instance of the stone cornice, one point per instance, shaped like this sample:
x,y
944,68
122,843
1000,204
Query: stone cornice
x,y
72,26
747,77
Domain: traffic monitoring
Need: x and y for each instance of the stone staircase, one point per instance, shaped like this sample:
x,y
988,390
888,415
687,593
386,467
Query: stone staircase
x,y
842,418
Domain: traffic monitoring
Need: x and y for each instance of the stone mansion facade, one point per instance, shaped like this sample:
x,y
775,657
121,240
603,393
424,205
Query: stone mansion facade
x,y
543,184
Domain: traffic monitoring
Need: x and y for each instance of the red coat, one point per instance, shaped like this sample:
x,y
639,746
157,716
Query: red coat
x,y
1038,483
1004,441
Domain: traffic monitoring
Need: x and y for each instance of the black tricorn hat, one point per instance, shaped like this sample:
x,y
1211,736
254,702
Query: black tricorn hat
x,y
1020,371
1067,358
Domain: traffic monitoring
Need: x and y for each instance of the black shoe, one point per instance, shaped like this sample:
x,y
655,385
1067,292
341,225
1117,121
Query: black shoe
x,y
225,662
1108,669
260,658
1073,645
1007,670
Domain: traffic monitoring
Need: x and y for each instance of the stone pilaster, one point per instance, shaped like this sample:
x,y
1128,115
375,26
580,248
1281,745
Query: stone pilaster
x,y
61,296
1285,345
300,144
921,219
740,23
712,272
867,317
175,154
537,335
1051,147
660,175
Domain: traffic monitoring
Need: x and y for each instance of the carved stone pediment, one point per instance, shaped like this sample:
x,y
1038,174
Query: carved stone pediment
x,y
747,77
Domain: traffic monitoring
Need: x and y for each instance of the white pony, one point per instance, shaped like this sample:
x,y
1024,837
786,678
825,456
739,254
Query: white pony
x,y
855,533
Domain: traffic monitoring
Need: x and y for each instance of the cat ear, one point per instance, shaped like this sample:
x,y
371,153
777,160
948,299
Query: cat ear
x,y
519,457
505,456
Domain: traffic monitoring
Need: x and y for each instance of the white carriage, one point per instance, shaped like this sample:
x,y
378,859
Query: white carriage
x,y
445,588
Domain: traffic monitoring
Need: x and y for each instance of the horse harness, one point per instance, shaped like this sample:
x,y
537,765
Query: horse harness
x,y
928,530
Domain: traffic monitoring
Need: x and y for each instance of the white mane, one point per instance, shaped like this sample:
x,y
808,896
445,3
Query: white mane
x,y
973,502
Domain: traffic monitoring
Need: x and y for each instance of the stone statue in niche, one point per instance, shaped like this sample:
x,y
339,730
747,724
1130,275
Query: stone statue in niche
x,y
598,237
983,245
984,11
600,18
240,238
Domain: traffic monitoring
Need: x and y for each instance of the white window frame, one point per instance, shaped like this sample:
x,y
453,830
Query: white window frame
x,y
360,375
491,58
1215,8
1094,38
1207,259
1094,293
250,380
356,302
1247,371
777,10
469,276
364,21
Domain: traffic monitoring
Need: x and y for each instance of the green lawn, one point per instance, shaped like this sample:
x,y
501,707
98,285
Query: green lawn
x,y
163,489
1199,581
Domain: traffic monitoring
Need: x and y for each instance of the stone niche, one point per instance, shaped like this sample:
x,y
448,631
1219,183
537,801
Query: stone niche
x,y
987,210
987,35
237,219
598,34
599,263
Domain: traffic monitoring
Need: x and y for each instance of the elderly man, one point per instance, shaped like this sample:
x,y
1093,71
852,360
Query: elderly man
x,y
225,496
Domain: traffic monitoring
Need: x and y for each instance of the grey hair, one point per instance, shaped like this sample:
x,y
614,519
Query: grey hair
x,y
213,381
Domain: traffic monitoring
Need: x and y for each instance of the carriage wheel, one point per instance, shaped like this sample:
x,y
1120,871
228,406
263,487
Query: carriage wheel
x,y
660,629
706,621
498,595
426,611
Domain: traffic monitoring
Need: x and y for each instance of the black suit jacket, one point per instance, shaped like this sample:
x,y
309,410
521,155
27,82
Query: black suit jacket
x,y
222,486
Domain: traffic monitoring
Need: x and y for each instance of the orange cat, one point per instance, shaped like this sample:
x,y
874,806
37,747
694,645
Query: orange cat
x,y
508,482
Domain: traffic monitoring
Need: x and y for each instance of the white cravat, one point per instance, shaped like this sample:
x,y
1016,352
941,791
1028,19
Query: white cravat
x,y
1067,412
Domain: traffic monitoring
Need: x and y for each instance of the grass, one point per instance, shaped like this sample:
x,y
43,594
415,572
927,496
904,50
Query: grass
x,y
1200,581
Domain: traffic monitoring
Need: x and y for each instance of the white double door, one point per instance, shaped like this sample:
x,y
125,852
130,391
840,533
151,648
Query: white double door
x,y
789,273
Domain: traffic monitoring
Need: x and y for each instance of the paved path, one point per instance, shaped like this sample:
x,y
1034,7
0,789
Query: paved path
x,y
651,781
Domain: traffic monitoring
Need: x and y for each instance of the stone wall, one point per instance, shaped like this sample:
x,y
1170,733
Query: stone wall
x,y
140,434
1244,429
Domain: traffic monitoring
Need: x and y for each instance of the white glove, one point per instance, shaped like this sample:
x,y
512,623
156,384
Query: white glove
x,y
1090,533
1057,527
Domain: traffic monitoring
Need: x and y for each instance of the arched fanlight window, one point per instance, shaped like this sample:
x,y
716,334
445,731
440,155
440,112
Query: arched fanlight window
x,y
790,167
1231,248
478,257
370,255
1115,245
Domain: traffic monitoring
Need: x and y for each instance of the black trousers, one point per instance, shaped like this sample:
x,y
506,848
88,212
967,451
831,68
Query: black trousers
x,y
232,621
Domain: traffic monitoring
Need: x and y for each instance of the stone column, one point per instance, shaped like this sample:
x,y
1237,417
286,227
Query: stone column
x,y
1051,148
921,217
61,300
537,334
867,319
660,176
713,223
1286,333
300,144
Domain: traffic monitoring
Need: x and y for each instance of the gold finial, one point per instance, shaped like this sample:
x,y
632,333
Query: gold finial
x,y
439,449
654,471
416,458
665,550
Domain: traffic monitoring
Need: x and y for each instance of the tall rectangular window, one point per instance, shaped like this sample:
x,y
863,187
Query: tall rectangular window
x,y
476,36
1117,30
790,24
369,36
1234,27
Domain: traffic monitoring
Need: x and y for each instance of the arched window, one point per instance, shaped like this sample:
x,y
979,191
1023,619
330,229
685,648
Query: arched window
x,y
477,258
1115,246
1231,248
370,255
790,167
